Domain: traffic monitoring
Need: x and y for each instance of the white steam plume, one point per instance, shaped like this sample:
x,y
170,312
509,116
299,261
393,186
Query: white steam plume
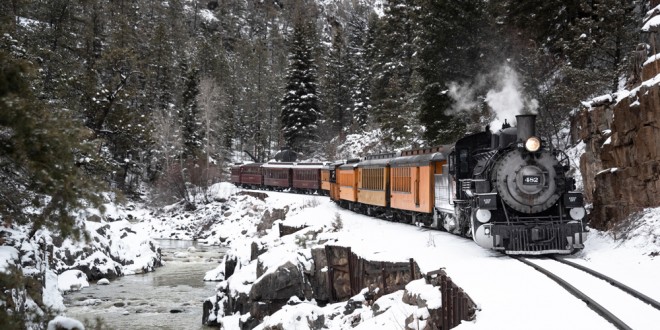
x,y
464,98
507,100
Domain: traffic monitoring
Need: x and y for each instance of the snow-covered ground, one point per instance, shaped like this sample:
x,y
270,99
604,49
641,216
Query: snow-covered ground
x,y
508,293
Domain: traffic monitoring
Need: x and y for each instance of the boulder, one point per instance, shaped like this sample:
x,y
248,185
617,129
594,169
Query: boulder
x,y
269,218
65,323
425,295
286,281
256,250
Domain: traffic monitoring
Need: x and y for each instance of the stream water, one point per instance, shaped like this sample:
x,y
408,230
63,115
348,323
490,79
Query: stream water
x,y
169,298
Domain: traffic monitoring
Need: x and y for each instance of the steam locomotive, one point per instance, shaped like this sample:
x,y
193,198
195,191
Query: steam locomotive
x,y
514,193
508,190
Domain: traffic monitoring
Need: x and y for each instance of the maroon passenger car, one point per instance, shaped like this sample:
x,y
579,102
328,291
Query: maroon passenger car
x,y
307,177
251,175
277,175
235,177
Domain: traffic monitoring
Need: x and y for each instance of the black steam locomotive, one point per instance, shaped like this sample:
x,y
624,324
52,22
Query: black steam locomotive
x,y
513,193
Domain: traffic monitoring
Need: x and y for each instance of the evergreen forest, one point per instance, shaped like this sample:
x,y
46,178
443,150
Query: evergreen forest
x,y
101,95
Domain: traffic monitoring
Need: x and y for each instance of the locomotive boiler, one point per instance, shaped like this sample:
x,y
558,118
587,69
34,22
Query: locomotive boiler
x,y
513,193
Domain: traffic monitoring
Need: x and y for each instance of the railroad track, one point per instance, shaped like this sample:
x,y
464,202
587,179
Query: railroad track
x,y
624,307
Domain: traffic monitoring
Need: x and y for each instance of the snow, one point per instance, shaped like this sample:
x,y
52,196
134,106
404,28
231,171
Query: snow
x,y
603,99
61,322
624,306
293,317
651,24
52,297
574,154
499,285
652,58
8,257
31,23
113,248
629,254
71,280
357,145
208,15
277,165
508,293
427,292
116,241
610,170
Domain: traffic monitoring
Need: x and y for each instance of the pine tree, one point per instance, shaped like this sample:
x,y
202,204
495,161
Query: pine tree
x,y
393,88
191,129
42,151
358,72
336,91
300,104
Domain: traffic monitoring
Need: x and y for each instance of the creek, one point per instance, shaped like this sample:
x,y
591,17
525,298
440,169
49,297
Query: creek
x,y
171,297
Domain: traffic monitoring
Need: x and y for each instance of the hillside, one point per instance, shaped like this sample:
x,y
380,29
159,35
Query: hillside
x,y
119,119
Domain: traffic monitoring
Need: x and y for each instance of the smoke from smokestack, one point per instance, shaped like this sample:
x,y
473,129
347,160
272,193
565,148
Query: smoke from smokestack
x,y
463,96
507,100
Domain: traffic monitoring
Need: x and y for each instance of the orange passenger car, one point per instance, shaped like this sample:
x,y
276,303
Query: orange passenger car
x,y
412,179
325,179
330,180
347,180
372,179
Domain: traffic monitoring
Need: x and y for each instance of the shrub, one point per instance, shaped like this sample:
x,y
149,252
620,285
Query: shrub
x,y
337,223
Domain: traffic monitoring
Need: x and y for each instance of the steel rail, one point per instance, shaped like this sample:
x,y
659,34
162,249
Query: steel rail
x,y
654,303
600,310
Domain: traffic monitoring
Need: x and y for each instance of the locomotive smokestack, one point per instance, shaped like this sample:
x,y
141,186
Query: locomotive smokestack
x,y
526,126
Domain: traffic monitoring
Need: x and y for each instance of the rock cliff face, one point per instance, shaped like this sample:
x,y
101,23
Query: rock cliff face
x,y
621,165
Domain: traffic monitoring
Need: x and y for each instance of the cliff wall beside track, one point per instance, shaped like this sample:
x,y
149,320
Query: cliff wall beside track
x,y
621,163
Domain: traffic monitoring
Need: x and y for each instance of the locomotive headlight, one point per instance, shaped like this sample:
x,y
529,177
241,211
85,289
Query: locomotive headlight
x,y
483,215
533,144
577,213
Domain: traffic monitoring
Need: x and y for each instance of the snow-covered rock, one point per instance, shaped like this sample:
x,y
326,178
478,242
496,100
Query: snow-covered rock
x,y
115,249
72,280
65,323
181,255
305,315
8,257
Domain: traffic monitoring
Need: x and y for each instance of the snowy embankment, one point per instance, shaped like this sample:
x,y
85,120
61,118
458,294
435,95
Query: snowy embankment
x,y
114,248
508,294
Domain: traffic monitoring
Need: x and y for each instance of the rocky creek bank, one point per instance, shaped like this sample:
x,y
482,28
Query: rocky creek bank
x,y
329,274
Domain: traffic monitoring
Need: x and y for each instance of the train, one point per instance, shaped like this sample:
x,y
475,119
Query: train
x,y
509,191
